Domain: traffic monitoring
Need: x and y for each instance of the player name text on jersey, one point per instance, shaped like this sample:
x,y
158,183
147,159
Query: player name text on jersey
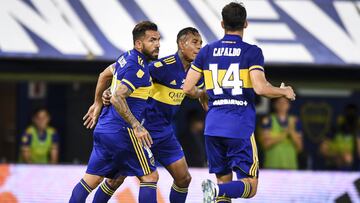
x,y
225,51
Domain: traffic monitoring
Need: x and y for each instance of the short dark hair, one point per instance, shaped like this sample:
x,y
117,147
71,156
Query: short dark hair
x,y
140,29
234,16
39,109
186,31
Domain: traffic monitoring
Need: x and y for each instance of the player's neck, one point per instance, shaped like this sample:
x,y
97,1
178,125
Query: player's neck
x,y
40,130
186,64
140,51
240,33
282,115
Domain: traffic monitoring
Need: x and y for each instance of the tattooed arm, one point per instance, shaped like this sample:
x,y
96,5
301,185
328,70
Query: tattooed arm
x,y
118,100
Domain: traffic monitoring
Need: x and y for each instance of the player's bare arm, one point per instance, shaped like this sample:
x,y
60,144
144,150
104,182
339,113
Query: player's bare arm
x,y
204,100
93,113
263,88
190,88
118,100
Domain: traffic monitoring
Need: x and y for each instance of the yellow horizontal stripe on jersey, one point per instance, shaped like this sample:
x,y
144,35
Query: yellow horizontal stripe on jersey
x,y
244,76
208,79
140,92
167,95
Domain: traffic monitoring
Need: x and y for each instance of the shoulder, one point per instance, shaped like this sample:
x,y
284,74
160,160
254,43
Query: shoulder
x,y
251,49
293,119
26,137
130,59
207,47
162,64
51,130
29,130
165,61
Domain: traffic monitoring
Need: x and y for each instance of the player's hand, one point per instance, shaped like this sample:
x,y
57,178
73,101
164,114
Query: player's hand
x,y
106,96
143,136
289,94
92,115
204,101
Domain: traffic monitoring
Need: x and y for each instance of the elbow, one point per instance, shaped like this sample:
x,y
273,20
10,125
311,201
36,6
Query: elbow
x,y
115,98
259,90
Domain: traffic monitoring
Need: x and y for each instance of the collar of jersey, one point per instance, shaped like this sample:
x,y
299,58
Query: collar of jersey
x,y
140,54
179,63
232,37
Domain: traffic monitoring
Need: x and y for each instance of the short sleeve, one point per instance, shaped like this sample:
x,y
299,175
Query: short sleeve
x,y
133,77
156,70
255,59
198,63
25,139
55,138
200,83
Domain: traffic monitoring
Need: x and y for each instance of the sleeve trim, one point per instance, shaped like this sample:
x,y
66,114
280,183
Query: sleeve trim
x,y
196,68
256,67
112,68
201,85
129,84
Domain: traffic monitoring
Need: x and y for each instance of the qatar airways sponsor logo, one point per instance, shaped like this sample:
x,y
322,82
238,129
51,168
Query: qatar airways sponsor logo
x,y
177,96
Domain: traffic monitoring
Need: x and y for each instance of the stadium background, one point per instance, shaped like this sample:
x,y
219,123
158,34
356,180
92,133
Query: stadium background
x,y
51,53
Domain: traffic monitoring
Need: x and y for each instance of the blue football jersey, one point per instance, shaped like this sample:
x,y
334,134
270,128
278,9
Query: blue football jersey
x,y
131,69
226,66
166,95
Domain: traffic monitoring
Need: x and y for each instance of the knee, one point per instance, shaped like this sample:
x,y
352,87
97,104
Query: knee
x,y
183,181
253,182
152,177
93,180
115,183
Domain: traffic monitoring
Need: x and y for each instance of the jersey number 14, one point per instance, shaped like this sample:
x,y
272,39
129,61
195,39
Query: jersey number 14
x,y
231,79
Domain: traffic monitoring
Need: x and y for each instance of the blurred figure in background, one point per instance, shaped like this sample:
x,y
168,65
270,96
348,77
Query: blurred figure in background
x,y
342,151
281,137
195,156
40,142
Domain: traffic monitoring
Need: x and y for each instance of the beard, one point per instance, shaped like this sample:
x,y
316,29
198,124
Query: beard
x,y
151,55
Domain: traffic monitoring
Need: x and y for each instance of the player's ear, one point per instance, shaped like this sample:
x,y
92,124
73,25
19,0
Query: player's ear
x,y
222,24
181,44
138,44
246,24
